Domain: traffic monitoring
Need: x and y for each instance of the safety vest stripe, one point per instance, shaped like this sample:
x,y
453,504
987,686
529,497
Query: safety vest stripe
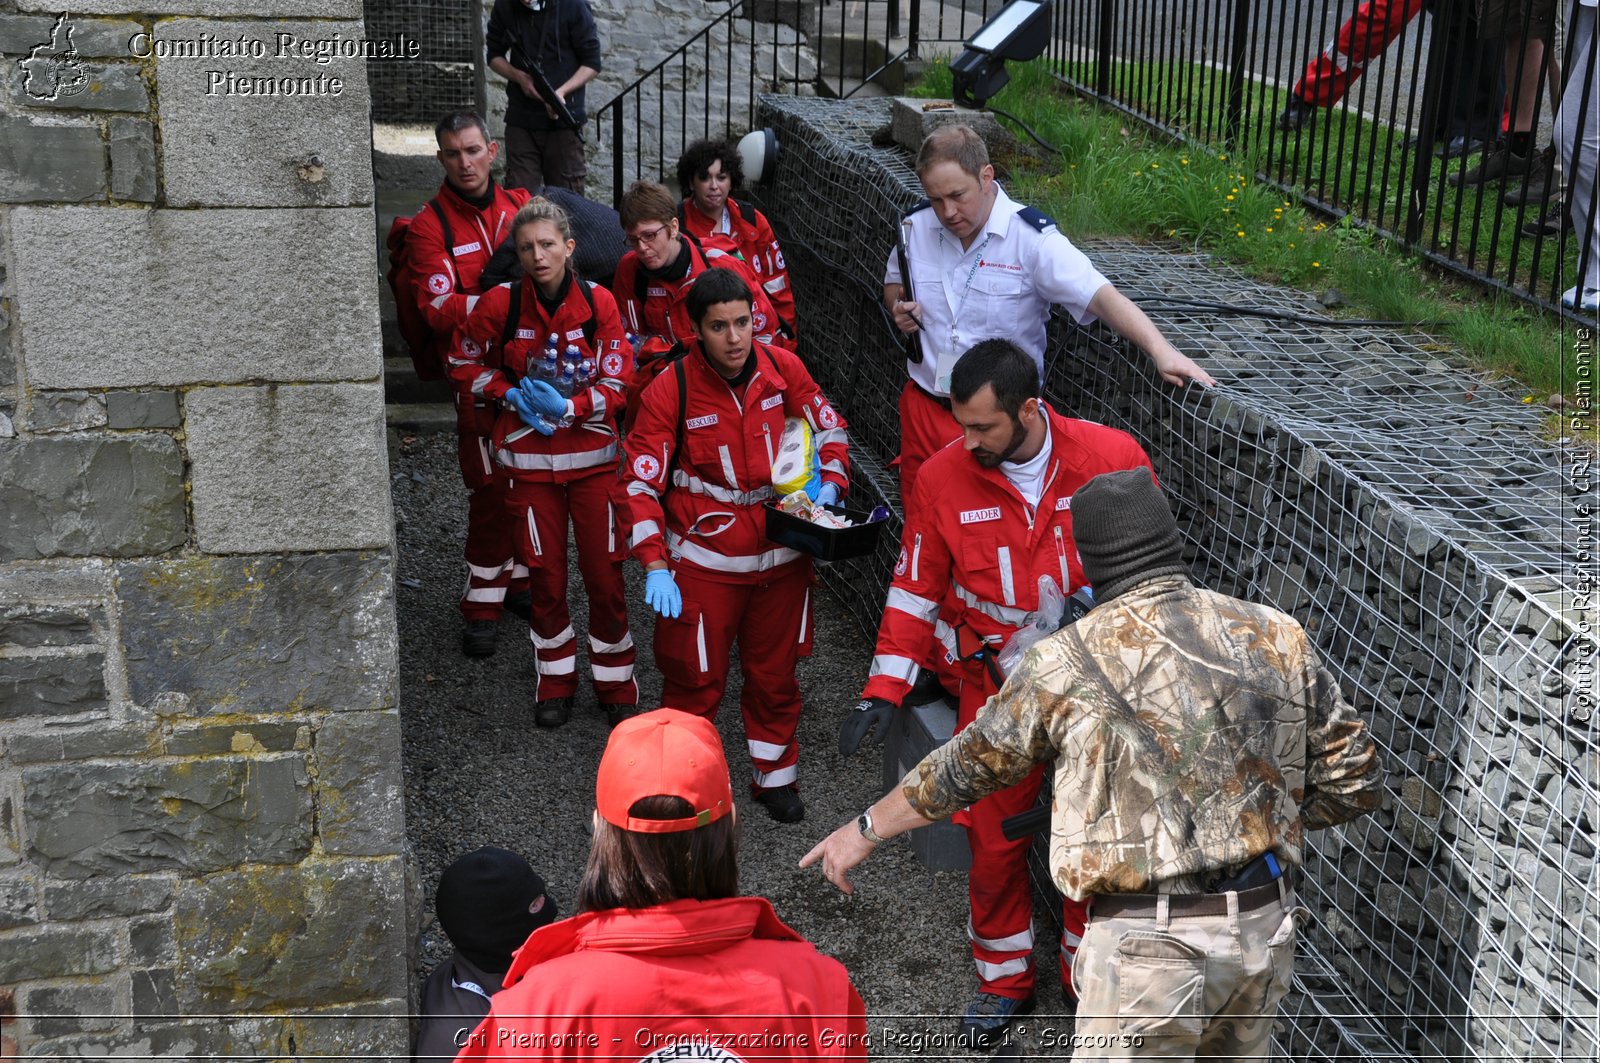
x,y
765,750
489,571
567,635
642,531
605,673
486,594
990,972
920,608
710,559
596,646
563,666
696,486
1021,941
481,381
583,459
1008,586
901,668
781,777
994,610
831,435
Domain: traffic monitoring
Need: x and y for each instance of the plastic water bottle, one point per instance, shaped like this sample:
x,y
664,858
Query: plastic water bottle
x,y
585,371
549,366
633,341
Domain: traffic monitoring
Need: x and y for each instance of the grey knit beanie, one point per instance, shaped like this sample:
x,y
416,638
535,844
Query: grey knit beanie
x,y
1125,532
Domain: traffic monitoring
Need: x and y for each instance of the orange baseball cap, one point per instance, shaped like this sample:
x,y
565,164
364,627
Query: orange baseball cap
x,y
665,752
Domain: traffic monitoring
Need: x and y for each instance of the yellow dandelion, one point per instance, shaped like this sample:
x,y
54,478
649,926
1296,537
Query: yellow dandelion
x,y
1230,199
1291,247
1222,158
1269,228
1527,399
1155,166
1241,232
1316,265
1184,161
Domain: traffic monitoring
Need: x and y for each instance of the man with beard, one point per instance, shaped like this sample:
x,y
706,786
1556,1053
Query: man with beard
x,y
1003,521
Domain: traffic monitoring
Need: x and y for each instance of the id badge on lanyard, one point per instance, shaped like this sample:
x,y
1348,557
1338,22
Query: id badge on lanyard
x,y
951,352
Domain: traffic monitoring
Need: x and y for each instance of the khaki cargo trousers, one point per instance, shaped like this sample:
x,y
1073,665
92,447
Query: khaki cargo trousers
x,y
1174,987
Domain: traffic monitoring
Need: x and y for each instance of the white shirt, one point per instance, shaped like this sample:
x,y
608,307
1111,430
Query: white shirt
x,y
1001,287
1028,476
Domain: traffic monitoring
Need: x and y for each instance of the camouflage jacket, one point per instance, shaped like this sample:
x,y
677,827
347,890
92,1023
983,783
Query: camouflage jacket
x,y
1192,732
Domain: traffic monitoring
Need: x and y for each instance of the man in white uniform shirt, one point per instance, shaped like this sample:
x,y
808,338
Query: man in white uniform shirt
x,y
985,267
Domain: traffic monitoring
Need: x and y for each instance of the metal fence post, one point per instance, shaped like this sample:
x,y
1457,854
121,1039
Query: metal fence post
x,y
916,29
1237,44
616,153
1102,62
1444,24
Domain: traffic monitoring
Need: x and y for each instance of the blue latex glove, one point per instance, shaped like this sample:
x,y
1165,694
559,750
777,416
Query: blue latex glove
x,y
661,593
828,495
530,416
545,399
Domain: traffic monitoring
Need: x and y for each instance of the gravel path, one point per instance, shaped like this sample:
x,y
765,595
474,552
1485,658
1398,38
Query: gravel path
x,y
479,772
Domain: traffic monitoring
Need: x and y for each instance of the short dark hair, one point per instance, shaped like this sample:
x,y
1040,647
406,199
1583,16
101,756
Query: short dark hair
x,y
633,869
459,121
716,285
697,158
1003,366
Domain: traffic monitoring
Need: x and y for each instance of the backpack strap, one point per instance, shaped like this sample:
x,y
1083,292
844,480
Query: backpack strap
x,y
449,239
683,414
507,334
591,326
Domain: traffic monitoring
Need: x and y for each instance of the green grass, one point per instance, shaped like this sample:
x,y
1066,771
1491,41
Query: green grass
x,y
1114,178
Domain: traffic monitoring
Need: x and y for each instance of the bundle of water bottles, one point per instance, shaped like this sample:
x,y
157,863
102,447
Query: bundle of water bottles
x,y
567,370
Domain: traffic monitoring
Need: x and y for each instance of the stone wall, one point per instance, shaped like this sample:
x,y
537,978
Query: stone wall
x,y
200,792
1409,514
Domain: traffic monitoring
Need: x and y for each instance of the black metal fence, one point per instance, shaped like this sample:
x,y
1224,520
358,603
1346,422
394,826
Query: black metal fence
x,y
1374,109
446,75
708,85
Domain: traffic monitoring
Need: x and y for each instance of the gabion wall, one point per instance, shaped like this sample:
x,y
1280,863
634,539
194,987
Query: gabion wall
x,y
1406,513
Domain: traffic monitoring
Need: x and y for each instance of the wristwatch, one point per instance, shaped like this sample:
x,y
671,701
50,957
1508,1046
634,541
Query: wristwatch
x,y
864,821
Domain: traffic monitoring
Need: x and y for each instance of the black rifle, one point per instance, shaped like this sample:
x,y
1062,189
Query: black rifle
x,y
544,90
913,339
1024,824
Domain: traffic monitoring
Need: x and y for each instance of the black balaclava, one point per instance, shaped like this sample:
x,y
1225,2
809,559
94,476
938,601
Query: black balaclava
x,y
1125,533
483,901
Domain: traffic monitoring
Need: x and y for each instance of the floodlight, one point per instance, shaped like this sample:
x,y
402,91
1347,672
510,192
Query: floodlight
x,y
1019,32
758,153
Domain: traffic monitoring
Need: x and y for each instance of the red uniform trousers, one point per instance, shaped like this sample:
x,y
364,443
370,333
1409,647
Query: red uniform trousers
x,y
998,890
1363,36
536,515
770,616
926,428
491,568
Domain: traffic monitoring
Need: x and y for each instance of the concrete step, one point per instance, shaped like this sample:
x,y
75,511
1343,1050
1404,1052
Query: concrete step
x,y
420,417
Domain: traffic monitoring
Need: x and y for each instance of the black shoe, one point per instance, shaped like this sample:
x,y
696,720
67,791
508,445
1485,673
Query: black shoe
x,y
926,689
1535,188
1458,146
1551,222
520,604
552,713
615,714
1496,165
479,638
1296,116
782,804
989,1016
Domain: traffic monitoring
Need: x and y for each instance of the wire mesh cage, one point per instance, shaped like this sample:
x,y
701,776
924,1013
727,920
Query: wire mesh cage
x,y
1405,511
443,78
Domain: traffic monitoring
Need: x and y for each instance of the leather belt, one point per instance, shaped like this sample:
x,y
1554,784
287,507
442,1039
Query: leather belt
x,y
1182,905
942,400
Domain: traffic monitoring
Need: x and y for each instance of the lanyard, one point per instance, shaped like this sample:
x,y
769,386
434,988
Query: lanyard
x,y
966,289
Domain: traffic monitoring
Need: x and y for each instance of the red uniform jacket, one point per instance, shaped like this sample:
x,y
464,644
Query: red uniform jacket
x,y
626,983
653,307
446,278
722,474
480,367
752,235
969,529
